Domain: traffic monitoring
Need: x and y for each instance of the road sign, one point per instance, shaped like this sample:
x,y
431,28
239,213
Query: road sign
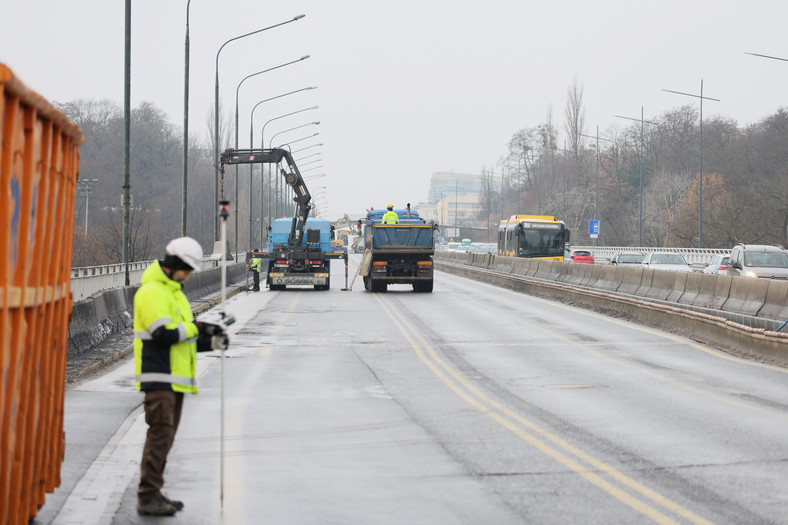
x,y
593,229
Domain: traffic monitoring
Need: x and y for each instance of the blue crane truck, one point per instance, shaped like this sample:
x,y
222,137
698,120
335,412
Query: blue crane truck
x,y
398,253
299,247
284,268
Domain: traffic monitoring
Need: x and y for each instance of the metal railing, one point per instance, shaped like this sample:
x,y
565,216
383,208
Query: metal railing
x,y
87,280
692,255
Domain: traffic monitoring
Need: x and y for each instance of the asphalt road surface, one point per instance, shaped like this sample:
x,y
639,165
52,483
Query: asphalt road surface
x,y
472,404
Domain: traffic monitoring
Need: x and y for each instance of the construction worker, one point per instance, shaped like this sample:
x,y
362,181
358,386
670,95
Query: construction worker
x,y
256,267
166,339
390,217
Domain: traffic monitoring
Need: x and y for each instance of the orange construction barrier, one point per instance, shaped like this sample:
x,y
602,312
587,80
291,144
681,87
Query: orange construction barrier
x,y
39,162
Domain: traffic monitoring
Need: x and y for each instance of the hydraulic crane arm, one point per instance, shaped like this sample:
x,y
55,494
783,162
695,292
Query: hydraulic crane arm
x,y
292,178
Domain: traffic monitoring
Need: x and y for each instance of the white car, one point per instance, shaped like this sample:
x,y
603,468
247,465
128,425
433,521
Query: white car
x,y
673,262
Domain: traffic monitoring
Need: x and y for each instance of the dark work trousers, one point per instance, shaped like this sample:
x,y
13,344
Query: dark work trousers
x,y
256,277
162,414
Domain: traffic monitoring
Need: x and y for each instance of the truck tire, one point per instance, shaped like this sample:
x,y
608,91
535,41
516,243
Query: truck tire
x,y
423,286
366,283
323,287
379,286
277,287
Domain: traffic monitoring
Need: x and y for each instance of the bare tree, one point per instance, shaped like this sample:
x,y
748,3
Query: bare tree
x,y
575,116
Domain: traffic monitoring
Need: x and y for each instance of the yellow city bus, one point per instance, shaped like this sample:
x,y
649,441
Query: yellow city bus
x,y
533,236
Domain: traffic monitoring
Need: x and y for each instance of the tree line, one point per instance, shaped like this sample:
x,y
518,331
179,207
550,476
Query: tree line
x,y
745,198
745,168
156,174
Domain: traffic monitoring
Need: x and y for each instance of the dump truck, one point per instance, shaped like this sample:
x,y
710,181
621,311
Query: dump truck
x,y
398,253
39,170
298,254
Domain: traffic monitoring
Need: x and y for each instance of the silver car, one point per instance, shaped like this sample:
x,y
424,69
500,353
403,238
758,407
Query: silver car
x,y
627,259
759,260
673,262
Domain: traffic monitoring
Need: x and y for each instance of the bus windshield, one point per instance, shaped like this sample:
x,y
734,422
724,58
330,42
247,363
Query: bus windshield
x,y
541,242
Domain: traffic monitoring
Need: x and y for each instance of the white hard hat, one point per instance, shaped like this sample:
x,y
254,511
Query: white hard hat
x,y
187,249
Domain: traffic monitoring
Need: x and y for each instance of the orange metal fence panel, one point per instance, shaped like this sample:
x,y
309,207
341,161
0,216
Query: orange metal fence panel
x,y
39,162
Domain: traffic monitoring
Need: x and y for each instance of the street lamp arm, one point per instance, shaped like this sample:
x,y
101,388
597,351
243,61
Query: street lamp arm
x,y
691,95
237,89
297,17
291,129
262,132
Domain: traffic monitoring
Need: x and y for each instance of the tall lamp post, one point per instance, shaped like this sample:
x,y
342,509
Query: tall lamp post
x,y
640,150
216,119
700,176
596,199
262,145
237,91
184,176
251,166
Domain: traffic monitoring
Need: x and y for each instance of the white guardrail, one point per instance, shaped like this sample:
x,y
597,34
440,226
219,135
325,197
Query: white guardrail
x,y
87,280
698,256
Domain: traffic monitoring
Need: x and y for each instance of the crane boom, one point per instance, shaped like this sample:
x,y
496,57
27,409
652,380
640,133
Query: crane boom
x,y
292,178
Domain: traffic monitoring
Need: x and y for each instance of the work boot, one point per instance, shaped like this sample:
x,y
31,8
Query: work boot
x,y
155,507
174,502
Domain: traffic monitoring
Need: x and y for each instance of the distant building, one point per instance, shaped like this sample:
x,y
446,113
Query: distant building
x,y
453,201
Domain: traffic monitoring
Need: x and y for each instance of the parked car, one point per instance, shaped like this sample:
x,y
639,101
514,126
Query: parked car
x,y
673,262
581,256
718,265
627,259
759,260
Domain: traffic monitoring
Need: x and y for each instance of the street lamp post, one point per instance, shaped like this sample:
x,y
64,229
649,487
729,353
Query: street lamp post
x,y
216,118
262,145
700,176
251,166
641,150
237,91
596,199
184,170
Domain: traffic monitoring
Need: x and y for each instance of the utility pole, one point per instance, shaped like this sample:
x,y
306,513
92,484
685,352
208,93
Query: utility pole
x,y
85,188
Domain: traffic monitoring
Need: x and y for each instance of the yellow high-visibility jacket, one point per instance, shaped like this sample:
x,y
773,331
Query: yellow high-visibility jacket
x,y
165,335
390,217
256,264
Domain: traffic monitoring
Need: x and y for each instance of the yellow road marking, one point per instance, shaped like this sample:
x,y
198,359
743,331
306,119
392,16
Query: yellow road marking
x,y
510,420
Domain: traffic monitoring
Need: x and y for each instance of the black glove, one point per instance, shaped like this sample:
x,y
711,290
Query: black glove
x,y
209,329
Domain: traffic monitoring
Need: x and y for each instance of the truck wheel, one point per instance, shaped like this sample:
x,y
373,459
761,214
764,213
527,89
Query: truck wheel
x,y
379,286
422,286
366,283
277,287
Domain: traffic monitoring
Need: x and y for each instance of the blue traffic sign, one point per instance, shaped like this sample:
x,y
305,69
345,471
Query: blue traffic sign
x,y
593,227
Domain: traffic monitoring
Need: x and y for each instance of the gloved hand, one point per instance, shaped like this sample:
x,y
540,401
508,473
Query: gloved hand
x,y
209,329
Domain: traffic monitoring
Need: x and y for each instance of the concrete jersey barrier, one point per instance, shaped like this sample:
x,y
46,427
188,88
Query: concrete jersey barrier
x,y
718,294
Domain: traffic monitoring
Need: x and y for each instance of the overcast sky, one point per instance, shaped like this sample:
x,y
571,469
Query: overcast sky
x,y
406,88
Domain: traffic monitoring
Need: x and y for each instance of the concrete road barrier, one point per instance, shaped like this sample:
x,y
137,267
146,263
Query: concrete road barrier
x,y
103,314
747,295
775,306
733,328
